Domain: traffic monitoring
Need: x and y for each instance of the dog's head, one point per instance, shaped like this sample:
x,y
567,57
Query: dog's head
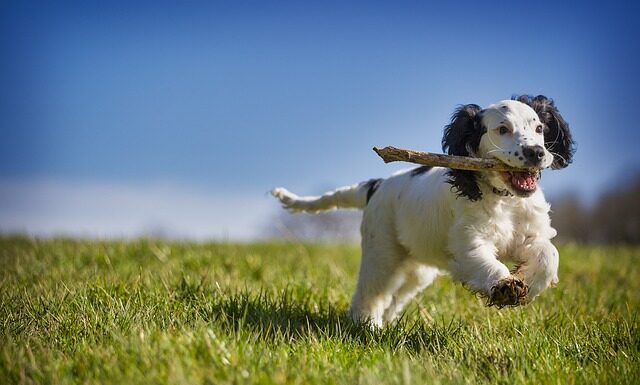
x,y
526,132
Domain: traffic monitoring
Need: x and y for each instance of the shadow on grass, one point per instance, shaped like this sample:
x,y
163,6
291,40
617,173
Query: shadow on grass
x,y
291,318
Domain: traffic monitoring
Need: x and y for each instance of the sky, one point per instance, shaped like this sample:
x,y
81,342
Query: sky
x,y
125,118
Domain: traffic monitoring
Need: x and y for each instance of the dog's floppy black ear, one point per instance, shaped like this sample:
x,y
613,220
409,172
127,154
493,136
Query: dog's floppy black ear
x,y
462,137
463,133
557,136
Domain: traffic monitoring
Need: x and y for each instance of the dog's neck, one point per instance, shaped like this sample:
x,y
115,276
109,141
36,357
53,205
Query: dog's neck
x,y
502,193
487,187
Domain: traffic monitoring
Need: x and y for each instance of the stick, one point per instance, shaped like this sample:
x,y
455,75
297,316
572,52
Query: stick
x,y
393,154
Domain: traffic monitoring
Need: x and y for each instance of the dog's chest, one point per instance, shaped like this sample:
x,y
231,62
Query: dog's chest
x,y
511,225
500,226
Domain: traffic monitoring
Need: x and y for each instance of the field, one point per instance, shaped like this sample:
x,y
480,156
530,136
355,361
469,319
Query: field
x,y
146,311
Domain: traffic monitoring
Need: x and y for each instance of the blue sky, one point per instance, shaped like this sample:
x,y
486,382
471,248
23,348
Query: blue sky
x,y
117,117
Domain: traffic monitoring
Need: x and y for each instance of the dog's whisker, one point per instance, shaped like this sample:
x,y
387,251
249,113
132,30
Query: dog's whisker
x,y
494,145
556,139
559,156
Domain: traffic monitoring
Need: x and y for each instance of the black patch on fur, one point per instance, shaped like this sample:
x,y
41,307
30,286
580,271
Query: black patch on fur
x,y
464,133
557,136
420,170
372,185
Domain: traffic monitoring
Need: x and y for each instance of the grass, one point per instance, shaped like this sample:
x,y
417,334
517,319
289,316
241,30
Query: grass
x,y
145,311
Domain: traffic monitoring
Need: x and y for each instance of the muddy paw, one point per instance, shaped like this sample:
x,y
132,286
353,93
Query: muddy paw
x,y
510,291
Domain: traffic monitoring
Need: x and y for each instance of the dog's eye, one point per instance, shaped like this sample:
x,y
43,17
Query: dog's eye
x,y
539,129
503,130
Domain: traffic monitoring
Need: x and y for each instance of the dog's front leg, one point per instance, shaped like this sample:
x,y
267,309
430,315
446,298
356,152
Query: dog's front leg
x,y
474,263
537,265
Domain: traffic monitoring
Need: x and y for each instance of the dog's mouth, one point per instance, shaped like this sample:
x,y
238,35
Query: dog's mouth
x,y
524,183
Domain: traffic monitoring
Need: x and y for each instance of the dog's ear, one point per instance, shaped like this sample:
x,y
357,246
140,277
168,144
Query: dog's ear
x,y
463,134
462,137
557,136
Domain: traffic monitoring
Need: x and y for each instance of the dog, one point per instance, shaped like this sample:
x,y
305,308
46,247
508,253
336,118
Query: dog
x,y
419,223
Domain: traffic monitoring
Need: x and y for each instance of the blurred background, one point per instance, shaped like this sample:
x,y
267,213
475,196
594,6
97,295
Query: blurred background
x,y
127,119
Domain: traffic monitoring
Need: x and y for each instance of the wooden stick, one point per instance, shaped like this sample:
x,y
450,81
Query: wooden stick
x,y
393,154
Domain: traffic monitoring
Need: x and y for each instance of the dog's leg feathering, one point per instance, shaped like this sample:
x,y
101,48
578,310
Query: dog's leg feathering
x,y
537,266
476,266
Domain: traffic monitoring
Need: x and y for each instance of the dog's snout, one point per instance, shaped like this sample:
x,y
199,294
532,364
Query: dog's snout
x,y
533,154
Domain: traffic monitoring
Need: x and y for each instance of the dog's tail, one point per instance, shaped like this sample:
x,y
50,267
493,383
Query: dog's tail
x,y
356,197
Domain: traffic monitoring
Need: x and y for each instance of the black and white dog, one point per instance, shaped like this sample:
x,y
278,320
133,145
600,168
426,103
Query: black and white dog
x,y
421,222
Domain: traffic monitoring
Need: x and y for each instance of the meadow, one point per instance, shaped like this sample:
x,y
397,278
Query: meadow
x,y
158,312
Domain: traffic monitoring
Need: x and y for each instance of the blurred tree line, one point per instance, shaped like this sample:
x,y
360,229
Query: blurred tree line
x,y
329,226
614,218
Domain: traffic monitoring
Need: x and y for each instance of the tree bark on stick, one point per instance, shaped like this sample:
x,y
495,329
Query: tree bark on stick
x,y
394,154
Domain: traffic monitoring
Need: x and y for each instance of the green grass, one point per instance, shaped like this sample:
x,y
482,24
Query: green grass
x,y
146,311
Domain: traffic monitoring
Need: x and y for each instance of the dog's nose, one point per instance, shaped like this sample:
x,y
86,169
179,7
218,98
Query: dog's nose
x,y
533,154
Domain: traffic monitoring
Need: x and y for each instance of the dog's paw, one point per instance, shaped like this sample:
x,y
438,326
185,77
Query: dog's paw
x,y
510,291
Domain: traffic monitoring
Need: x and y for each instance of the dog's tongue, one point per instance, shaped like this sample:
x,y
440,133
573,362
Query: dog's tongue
x,y
524,180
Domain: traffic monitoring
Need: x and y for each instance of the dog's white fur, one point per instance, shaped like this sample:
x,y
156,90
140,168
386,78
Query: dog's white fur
x,y
415,227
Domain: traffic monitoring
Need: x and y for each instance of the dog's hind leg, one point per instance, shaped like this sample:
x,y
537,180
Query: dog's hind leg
x,y
417,277
381,275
